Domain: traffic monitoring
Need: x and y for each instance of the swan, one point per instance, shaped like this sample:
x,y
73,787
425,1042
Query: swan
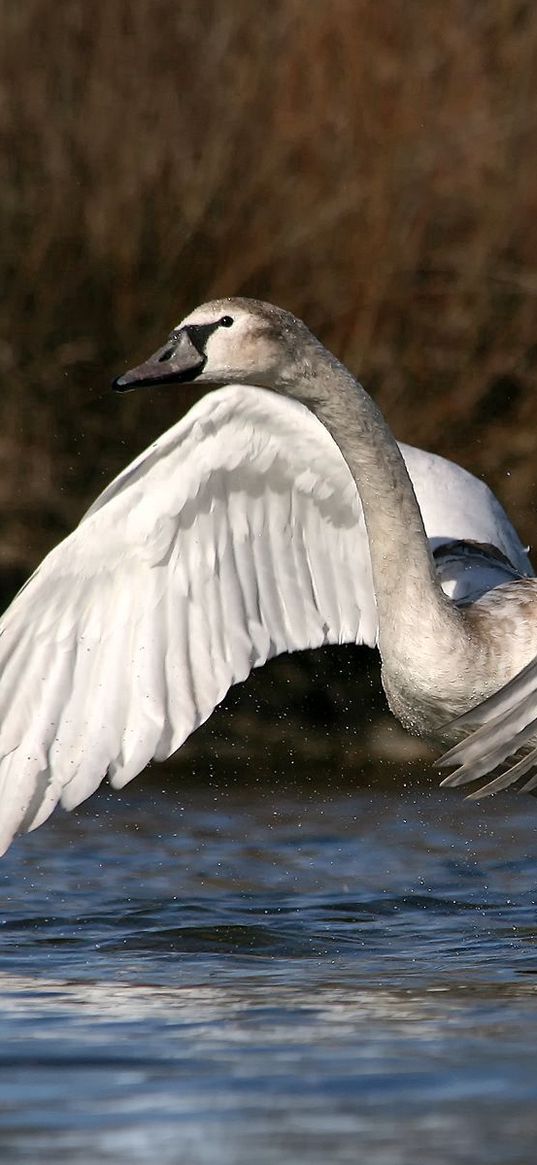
x,y
237,535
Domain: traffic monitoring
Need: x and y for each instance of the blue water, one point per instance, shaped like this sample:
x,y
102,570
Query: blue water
x,y
221,977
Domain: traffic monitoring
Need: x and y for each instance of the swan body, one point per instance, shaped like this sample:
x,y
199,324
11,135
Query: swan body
x,y
277,515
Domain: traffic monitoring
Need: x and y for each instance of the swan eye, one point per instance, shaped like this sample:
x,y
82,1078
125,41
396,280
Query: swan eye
x,y
226,322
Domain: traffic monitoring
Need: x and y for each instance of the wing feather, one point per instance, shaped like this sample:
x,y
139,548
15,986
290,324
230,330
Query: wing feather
x,y
498,731
236,536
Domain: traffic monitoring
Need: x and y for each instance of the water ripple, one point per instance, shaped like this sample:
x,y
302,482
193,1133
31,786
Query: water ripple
x,y
272,977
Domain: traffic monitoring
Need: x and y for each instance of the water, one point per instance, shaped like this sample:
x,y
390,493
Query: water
x,y
224,977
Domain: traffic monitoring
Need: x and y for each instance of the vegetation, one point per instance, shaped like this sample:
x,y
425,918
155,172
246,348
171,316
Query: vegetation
x,y
370,166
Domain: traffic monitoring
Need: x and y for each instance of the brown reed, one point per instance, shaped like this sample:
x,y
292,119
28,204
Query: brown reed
x,y
370,166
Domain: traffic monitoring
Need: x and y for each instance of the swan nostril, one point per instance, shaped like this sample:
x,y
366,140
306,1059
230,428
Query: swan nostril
x,y
166,355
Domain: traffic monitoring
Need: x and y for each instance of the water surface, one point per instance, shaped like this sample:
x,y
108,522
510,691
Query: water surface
x,y
217,977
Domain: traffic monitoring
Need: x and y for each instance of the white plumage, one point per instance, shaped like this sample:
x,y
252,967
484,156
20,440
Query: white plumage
x,y
236,536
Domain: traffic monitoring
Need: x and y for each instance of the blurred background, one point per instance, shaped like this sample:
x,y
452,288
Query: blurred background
x,y
371,167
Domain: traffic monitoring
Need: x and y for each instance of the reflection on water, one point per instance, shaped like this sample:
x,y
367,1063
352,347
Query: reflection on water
x,y
276,976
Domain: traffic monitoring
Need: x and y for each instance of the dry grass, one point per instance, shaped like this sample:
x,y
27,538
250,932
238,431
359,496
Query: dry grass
x,y
370,166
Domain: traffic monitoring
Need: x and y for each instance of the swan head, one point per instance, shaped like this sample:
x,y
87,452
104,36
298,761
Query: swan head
x,y
228,341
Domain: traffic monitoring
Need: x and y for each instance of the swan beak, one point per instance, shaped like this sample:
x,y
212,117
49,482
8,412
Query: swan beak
x,y
177,362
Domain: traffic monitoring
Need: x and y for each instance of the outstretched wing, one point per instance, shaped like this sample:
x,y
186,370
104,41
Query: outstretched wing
x,y
502,735
236,536
456,506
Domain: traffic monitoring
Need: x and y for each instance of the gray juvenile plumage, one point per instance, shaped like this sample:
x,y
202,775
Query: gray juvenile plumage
x,y
438,659
240,534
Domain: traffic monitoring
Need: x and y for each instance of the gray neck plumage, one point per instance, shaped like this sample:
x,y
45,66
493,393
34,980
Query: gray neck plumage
x,y
410,601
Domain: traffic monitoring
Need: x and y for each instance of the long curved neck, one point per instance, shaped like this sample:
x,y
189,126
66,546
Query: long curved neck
x,y
413,611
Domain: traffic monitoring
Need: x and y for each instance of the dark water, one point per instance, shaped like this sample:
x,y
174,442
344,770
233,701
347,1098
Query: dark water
x,y
272,977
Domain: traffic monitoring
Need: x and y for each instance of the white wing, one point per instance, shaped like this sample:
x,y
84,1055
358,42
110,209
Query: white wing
x,y
455,505
503,734
236,536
